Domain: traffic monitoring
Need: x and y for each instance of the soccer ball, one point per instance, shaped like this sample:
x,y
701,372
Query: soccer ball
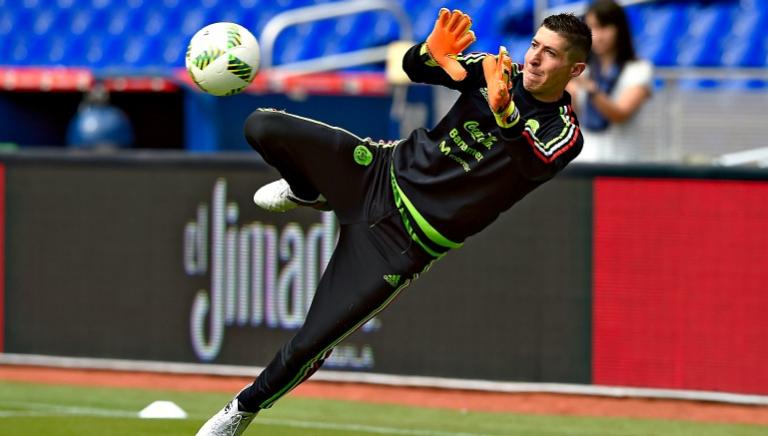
x,y
222,58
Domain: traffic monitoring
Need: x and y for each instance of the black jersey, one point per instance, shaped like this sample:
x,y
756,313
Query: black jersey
x,y
455,179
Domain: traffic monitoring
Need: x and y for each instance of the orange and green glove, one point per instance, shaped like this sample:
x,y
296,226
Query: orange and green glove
x,y
450,36
497,73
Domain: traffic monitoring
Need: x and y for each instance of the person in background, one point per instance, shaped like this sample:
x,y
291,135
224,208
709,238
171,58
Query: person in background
x,y
98,124
614,88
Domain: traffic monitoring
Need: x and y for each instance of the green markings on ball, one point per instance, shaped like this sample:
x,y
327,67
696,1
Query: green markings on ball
x,y
233,37
239,68
234,91
206,57
363,156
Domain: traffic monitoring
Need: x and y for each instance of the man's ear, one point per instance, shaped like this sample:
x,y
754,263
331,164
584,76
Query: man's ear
x,y
577,69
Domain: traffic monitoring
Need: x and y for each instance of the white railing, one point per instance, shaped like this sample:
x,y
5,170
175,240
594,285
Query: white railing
x,y
310,14
688,123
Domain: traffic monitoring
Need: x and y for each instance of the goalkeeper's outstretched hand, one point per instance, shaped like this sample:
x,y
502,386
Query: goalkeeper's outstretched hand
x,y
450,36
497,76
497,73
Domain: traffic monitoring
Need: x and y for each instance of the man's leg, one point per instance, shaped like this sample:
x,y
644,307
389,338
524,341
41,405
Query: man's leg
x,y
313,157
367,271
352,290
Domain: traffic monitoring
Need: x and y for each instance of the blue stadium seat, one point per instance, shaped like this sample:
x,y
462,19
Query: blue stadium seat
x,y
193,20
700,45
45,20
423,15
517,48
515,18
173,50
82,21
384,29
154,33
327,37
745,44
659,33
289,46
7,22
750,85
553,3
57,51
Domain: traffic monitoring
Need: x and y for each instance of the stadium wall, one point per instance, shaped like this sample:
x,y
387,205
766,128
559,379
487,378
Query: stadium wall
x,y
625,276
2,258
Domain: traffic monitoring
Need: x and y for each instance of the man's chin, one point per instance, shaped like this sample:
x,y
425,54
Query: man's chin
x,y
530,86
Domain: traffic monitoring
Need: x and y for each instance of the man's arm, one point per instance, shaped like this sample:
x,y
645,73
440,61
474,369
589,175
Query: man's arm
x,y
421,68
439,60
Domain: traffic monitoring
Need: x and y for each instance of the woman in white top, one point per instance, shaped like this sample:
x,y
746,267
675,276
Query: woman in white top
x,y
609,95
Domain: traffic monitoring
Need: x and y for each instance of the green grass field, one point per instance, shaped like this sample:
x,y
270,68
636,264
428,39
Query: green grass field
x,y
33,409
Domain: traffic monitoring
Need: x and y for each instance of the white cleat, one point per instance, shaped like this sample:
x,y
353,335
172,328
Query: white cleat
x,y
278,197
229,421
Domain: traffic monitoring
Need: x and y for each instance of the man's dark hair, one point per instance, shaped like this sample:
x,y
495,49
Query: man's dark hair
x,y
575,31
607,13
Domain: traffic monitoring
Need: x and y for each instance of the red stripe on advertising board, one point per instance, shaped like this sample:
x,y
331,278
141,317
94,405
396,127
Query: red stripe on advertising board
x,y
680,284
2,258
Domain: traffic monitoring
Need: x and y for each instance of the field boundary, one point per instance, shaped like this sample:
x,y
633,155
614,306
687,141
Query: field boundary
x,y
385,379
465,401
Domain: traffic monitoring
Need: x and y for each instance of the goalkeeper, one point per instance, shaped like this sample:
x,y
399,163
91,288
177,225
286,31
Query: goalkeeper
x,y
404,204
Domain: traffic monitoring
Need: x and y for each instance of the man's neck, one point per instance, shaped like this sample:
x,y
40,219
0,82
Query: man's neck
x,y
547,98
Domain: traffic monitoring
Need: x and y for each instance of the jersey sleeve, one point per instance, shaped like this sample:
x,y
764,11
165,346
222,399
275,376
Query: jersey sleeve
x,y
541,149
421,68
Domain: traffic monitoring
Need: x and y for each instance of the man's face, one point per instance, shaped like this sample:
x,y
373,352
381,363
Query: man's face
x,y
548,68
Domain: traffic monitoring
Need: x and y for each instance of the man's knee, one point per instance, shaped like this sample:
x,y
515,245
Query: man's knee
x,y
262,127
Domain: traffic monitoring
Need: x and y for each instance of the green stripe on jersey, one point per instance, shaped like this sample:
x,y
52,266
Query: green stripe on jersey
x,y
425,227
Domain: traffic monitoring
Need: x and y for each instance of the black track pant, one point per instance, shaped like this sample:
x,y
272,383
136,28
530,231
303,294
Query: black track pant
x,y
373,260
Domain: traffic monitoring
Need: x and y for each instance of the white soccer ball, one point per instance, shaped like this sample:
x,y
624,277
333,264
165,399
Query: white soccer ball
x,y
222,58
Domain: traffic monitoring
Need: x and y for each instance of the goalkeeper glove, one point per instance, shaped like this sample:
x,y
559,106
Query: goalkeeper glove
x,y
497,73
449,37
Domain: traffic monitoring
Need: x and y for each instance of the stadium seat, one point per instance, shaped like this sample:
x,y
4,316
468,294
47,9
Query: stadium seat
x,y
516,18
56,53
657,38
745,44
700,45
423,15
173,50
288,47
7,22
154,33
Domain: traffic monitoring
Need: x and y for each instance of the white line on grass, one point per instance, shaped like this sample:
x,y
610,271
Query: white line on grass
x,y
44,409
358,428
61,412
